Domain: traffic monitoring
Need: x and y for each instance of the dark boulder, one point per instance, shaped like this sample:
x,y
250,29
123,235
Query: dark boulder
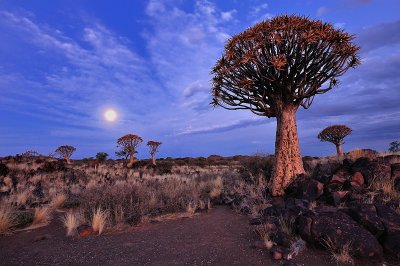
x,y
340,229
366,215
305,188
391,238
371,170
395,170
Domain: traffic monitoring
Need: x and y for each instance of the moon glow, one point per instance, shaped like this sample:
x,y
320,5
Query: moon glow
x,y
110,115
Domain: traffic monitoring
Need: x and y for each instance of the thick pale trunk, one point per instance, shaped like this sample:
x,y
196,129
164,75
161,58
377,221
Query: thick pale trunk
x,y
288,162
339,150
66,157
131,159
153,159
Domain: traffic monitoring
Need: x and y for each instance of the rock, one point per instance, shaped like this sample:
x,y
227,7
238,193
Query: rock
x,y
334,199
391,238
340,229
85,230
260,245
358,178
366,215
39,238
371,170
395,170
391,159
305,188
282,239
277,255
256,221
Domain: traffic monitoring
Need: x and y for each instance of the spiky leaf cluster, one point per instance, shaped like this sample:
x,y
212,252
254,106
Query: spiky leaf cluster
x,y
288,59
153,146
335,134
65,151
129,142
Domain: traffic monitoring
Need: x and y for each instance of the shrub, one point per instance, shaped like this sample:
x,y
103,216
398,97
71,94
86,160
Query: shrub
x,y
23,219
4,169
6,217
71,201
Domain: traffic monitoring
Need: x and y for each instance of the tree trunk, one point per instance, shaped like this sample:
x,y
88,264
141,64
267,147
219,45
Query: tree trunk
x,y
153,159
131,159
66,157
288,162
339,149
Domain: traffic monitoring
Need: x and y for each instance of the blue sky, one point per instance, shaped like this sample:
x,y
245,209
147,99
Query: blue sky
x,y
63,63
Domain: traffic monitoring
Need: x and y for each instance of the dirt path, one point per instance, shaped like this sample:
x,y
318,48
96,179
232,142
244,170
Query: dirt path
x,y
219,237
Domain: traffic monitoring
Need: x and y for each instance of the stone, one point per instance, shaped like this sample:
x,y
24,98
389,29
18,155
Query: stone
x,y
391,238
366,215
260,245
340,229
372,170
358,178
305,188
337,180
395,170
85,230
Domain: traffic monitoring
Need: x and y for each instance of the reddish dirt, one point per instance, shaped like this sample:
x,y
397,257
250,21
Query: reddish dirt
x,y
219,237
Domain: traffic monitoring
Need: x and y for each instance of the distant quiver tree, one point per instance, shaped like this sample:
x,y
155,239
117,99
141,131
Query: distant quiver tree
x,y
65,152
335,134
129,143
153,146
275,67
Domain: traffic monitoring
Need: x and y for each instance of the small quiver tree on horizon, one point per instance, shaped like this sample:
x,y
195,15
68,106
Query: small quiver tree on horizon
x,y
153,146
65,152
129,143
275,67
335,134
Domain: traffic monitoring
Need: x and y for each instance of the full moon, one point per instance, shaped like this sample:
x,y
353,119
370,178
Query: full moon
x,y
110,115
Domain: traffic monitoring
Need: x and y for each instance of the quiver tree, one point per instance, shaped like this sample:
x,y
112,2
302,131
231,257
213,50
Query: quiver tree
x,y
65,152
129,144
335,134
273,68
153,146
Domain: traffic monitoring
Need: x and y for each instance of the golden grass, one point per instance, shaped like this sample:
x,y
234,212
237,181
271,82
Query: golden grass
x,y
71,222
264,233
6,217
341,254
23,197
191,207
99,220
42,215
286,225
58,200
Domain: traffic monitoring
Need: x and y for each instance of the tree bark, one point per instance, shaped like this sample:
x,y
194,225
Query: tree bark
x,y
288,161
131,159
153,159
339,150
66,157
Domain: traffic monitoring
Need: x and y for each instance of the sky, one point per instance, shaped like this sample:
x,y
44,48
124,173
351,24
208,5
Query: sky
x,y
63,63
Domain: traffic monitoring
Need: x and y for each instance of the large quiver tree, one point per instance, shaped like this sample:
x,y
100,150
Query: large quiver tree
x,y
276,66
335,134
129,144
153,146
65,151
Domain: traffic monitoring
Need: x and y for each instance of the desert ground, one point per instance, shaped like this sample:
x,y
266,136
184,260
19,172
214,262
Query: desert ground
x,y
199,211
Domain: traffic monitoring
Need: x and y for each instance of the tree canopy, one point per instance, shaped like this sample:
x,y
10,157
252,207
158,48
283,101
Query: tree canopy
x,y
335,134
285,60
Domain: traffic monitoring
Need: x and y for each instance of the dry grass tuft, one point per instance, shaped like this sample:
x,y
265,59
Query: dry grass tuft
x,y
42,215
191,207
58,200
71,222
341,254
99,220
23,197
6,217
264,233
287,225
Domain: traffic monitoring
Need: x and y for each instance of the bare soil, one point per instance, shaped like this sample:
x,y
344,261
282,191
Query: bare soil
x,y
217,237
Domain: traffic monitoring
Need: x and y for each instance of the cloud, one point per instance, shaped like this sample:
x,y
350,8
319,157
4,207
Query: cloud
x,y
321,11
239,124
378,36
256,10
228,15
